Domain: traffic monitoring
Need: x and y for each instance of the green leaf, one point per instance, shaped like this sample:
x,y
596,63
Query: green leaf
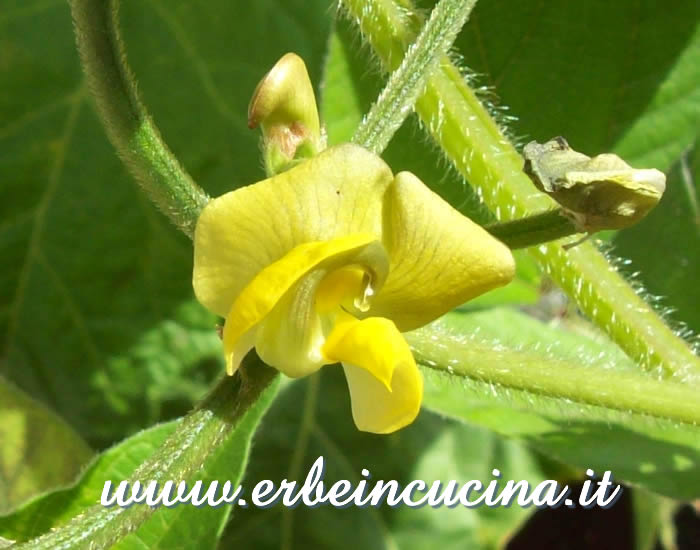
x,y
623,77
38,450
58,507
312,419
455,118
659,455
167,527
97,318
649,512
664,251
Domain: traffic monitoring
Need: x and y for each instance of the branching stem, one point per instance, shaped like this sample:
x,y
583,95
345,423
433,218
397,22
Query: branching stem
x,y
405,84
470,138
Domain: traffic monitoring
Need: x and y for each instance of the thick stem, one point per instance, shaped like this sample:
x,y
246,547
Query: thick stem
x,y
128,125
200,434
405,84
470,138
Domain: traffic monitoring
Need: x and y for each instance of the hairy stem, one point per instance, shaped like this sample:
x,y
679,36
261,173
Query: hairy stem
x,y
234,401
533,230
469,137
406,83
530,373
128,125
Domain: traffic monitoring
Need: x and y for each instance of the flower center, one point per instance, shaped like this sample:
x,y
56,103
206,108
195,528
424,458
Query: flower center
x,y
349,287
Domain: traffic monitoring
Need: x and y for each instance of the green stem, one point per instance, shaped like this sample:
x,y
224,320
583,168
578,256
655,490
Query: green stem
x,y
128,125
296,461
234,400
470,138
405,84
528,372
533,230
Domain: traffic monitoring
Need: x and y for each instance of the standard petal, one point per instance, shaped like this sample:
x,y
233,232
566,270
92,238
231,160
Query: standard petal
x,y
285,292
339,192
385,385
439,258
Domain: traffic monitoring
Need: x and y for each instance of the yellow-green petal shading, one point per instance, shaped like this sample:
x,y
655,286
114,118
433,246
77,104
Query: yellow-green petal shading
x,y
439,258
282,297
386,387
337,193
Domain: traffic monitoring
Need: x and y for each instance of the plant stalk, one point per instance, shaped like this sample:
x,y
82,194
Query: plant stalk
x,y
528,372
471,139
534,230
233,401
128,125
396,100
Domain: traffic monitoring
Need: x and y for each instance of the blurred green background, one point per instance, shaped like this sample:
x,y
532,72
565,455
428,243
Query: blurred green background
x,y
98,322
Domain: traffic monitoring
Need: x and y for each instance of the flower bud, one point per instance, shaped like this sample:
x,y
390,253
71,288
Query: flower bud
x,y
603,192
284,106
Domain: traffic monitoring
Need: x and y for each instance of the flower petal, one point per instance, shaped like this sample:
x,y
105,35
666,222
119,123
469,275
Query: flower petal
x,y
439,258
291,335
339,192
385,385
284,283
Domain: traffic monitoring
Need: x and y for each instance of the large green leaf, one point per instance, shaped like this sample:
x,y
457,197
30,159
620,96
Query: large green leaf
x,y
96,312
312,419
660,455
664,251
38,451
57,507
622,75
180,526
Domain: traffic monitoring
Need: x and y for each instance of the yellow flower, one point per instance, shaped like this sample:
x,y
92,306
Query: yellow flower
x,y
329,262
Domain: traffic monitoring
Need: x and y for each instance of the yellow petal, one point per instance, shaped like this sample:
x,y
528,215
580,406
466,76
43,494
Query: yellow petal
x,y
282,292
344,287
291,335
236,351
339,192
385,385
439,258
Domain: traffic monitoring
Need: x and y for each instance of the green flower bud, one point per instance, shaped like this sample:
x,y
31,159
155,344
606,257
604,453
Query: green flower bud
x,y
284,106
603,192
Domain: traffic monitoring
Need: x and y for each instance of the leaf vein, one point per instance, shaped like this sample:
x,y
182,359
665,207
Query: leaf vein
x,y
198,64
33,247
